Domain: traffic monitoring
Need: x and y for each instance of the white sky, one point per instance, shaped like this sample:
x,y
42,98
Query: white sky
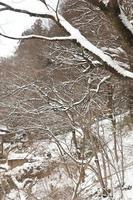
x,y
14,24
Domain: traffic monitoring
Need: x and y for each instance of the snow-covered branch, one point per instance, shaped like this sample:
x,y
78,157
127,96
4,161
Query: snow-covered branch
x,y
100,83
75,35
113,10
6,7
41,37
125,21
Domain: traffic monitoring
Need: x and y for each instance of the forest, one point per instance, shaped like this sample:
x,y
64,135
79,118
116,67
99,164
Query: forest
x,y
66,102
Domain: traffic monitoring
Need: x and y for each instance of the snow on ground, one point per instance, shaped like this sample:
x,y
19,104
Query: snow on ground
x,y
17,156
55,182
50,176
3,130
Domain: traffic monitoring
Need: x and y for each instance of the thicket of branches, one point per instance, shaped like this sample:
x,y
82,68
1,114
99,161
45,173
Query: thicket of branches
x,y
51,88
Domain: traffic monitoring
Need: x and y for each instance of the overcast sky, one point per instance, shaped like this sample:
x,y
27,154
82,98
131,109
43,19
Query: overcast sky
x,y
14,24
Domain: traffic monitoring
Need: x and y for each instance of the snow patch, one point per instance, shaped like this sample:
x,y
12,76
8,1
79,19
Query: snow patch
x,y
105,2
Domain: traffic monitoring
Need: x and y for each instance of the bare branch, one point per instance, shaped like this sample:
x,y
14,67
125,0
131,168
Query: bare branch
x,y
31,14
44,2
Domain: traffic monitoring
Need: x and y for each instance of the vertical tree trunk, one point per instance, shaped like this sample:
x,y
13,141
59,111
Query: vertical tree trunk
x,y
113,120
103,185
130,99
76,144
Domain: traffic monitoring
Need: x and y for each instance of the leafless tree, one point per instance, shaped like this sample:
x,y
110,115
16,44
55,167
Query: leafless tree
x,y
73,88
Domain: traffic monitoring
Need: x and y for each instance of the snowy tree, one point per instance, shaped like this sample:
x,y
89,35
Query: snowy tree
x,y
81,82
74,34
